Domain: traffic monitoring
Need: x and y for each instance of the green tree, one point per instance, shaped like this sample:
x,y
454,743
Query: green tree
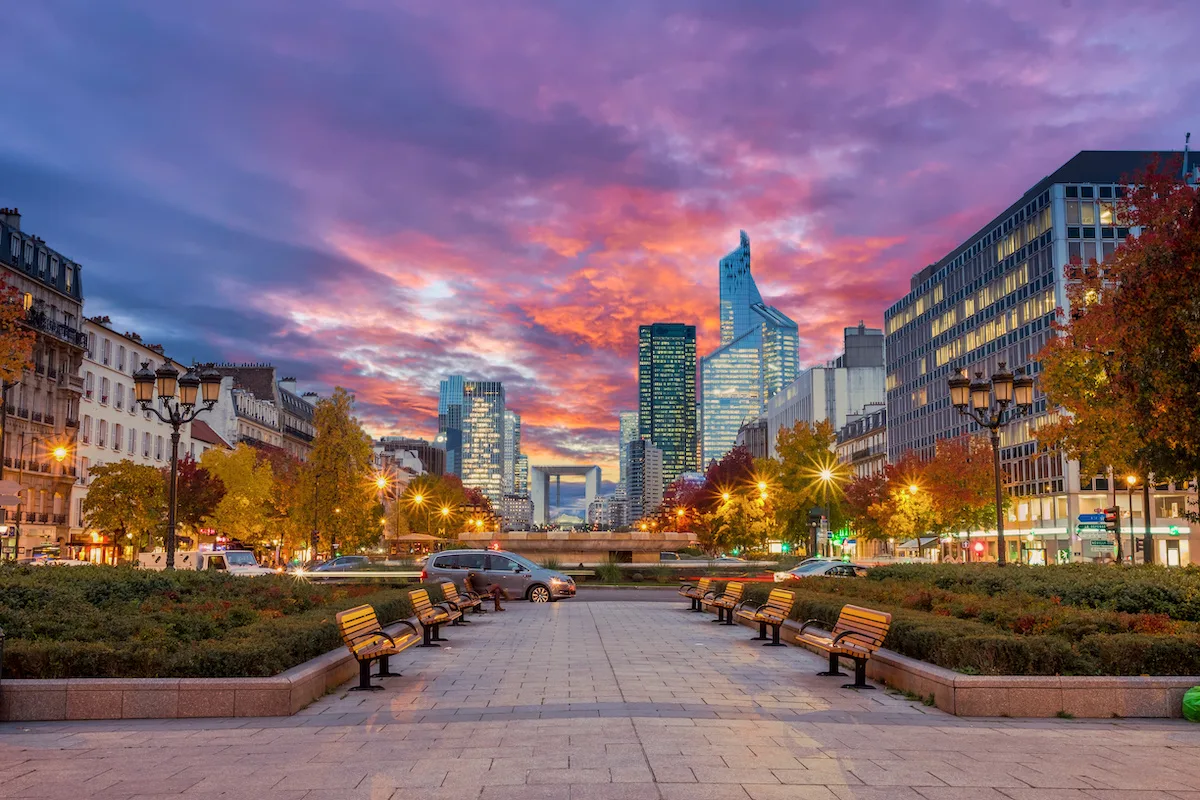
x,y
127,501
743,522
341,496
805,477
245,512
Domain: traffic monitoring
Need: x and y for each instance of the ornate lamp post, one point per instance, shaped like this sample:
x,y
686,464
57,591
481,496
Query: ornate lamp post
x,y
1013,398
204,387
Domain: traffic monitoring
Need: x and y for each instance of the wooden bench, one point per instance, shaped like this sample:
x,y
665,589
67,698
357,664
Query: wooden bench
x,y
858,633
365,638
772,613
461,601
697,592
728,600
431,617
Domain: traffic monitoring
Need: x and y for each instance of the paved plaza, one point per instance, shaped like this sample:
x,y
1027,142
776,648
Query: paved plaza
x,y
605,701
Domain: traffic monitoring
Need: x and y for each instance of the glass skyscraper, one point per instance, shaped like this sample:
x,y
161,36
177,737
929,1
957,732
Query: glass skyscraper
x,y
512,449
483,462
629,432
667,394
758,356
450,418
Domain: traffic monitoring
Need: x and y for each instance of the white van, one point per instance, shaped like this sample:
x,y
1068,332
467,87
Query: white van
x,y
235,562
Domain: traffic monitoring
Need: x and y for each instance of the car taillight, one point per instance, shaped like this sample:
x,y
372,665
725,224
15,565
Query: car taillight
x,y
423,576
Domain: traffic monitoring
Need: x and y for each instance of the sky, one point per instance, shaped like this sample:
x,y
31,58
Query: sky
x,y
378,194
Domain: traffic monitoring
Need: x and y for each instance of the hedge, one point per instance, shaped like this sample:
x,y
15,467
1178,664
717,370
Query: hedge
x,y
110,622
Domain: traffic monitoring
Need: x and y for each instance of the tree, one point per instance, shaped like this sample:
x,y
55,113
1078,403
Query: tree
x,y
741,523
436,492
1126,363
245,511
734,472
198,492
16,340
290,526
863,494
127,501
807,477
341,497
961,483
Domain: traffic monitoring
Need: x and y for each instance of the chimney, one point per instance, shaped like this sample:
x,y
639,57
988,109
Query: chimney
x,y
288,384
11,217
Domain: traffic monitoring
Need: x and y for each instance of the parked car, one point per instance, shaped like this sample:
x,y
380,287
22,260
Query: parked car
x,y
342,563
669,555
729,560
517,575
826,568
235,562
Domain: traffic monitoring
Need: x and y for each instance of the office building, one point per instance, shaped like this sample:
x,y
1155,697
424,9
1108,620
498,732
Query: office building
x,y
831,392
517,511
450,422
432,459
992,300
483,438
758,357
646,479
753,437
862,441
667,393
521,475
628,421
512,450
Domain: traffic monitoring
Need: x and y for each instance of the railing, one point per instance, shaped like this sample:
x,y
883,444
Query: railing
x,y
297,433
23,413
40,369
49,419
59,519
71,423
37,416
39,320
51,372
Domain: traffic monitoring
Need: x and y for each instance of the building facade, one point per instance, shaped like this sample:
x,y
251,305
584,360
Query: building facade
x,y
667,393
483,462
753,437
645,491
758,357
40,410
521,478
450,422
831,392
628,431
432,459
296,413
517,511
512,450
862,441
993,300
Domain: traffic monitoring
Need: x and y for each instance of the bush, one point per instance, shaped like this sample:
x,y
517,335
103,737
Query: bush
x,y
551,562
77,622
610,572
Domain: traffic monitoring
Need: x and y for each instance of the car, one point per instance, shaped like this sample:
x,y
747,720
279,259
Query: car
x,y
823,568
517,575
342,563
669,555
729,560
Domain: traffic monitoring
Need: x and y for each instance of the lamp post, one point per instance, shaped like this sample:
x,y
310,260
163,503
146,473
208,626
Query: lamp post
x,y
1131,481
203,386
973,399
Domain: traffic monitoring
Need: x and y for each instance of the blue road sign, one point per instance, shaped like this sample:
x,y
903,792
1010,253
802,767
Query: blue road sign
x,y
1091,518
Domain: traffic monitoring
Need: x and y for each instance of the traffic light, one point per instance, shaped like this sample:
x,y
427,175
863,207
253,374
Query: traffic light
x,y
1112,520
785,548
1139,545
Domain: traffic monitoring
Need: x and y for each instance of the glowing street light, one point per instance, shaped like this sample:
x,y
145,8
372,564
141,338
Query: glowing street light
x,y
381,482
913,488
725,496
418,498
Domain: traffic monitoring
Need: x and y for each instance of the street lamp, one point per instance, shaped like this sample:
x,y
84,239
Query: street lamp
x,y
973,399
203,386
827,475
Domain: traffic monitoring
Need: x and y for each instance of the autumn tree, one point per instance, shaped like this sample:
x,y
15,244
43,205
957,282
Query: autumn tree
x,y
245,511
863,495
198,492
806,477
432,504
127,501
743,522
16,340
961,482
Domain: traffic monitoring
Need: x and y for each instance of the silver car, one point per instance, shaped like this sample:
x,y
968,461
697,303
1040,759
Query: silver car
x,y
517,575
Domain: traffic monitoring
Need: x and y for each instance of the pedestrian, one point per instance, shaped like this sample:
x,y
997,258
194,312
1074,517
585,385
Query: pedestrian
x,y
479,584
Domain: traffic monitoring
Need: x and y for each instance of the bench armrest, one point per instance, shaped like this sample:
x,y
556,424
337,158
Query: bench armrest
x,y
471,595
741,605
710,594
843,635
687,586
380,632
443,606
411,627
811,622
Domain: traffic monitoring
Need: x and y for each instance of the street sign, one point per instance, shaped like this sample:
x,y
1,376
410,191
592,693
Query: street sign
x,y
1102,543
1091,518
1091,526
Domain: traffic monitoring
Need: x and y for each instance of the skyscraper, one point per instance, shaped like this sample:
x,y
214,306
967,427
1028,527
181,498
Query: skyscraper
x,y
667,393
521,478
629,432
512,449
646,478
483,438
758,356
450,421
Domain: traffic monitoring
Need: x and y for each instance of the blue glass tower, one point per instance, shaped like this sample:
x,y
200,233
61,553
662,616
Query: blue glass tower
x,y
450,422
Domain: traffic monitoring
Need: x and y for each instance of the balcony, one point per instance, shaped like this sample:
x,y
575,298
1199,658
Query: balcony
x,y
40,369
23,413
36,416
59,519
39,320
71,423
296,433
48,419
51,373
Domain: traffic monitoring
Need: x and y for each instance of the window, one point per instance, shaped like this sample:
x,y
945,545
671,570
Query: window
x,y
132,440
41,254
106,352
102,433
158,448
105,387
91,349
28,253
54,268
14,245
86,432
146,445
501,564
121,358
117,440
83,471
119,401
89,385
1087,214
1072,213
69,274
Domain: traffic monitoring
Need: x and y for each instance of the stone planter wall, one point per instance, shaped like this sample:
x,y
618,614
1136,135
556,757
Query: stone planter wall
x,y
170,698
1100,697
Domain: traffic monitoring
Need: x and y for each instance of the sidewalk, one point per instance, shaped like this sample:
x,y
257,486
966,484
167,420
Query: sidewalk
x,y
582,701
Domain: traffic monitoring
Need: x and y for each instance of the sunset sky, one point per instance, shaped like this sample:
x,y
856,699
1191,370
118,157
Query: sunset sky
x,y
377,194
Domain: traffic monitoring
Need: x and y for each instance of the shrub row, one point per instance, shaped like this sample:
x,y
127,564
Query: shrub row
x,y
100,622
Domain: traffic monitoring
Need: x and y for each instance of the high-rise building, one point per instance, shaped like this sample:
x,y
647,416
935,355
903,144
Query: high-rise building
x,y
512,450
629,432
483,438
646,476
667,393
450,422
832,391
758,357
992,300
521,475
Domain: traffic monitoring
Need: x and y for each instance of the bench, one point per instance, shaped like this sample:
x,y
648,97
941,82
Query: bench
x,y
696,592
728,600
772,613
431,617
464,601
365,638
858,633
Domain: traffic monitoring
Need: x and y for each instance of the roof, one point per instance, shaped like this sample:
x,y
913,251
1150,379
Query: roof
x,y
257,379
203,432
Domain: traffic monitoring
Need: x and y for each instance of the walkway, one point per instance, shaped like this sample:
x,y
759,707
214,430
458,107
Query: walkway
x,y
605,701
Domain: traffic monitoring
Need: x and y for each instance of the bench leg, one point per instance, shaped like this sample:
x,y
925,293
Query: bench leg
x,y
774,638
384,672
696,605
437,633
762,632
720,615
860,676
364,678
427,636
729,616
834,667
463,619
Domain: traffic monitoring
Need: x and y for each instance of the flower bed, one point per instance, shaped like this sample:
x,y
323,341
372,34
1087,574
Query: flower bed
x,y
1066,620
120,622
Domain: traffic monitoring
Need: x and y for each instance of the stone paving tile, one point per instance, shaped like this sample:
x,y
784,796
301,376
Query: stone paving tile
x,y
604,701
